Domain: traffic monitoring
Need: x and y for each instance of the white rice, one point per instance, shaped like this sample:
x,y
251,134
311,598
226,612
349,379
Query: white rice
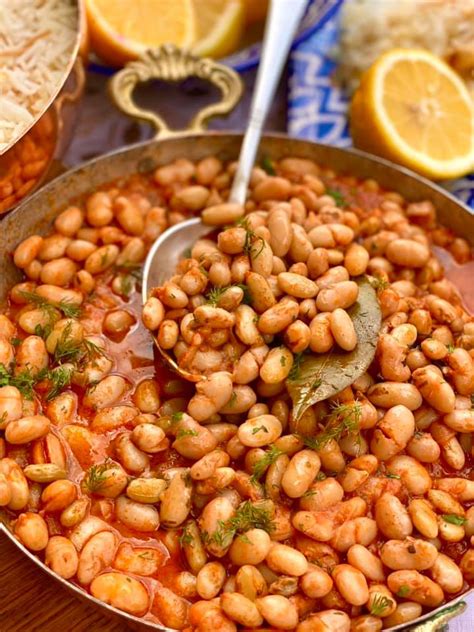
x,y
37,38
371,27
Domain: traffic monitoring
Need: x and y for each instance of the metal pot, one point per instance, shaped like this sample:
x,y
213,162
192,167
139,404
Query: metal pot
x,y
51,131
168,63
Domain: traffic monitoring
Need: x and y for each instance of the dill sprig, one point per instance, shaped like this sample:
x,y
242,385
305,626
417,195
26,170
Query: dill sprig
x,y
403,591
379,605
96,476
186,432
252,240
78,352
338,197
215,295
454,519
23,381
68,349
378,283
186,537
261,466
295,370
69,309
247,516
146,555
267,165
343,418
60,377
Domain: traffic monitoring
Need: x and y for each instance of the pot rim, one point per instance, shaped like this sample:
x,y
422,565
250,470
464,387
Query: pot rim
x,y
358,153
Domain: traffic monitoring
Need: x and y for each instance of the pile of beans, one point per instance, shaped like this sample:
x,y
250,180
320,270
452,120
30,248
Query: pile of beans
x,y
296,273
209,506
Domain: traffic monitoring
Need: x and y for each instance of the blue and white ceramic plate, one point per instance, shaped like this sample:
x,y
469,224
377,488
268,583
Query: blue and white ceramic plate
x,y
317,108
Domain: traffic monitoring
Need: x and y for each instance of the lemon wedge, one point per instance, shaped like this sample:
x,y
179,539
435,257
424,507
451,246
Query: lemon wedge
x,y
219,25
414,109
122,30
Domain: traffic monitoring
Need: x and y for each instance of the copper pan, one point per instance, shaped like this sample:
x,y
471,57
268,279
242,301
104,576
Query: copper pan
x,y
36,214
43,144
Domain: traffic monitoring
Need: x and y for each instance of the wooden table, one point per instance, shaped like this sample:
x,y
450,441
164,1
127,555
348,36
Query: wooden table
x,y
29,600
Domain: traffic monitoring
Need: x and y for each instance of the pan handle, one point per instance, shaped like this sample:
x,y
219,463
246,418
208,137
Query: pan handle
x,y
170,63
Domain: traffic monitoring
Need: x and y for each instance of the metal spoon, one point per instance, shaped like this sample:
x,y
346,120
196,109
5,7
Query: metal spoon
x,y
282,22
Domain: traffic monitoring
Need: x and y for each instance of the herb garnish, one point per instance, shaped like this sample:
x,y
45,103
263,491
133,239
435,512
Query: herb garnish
x,y
342,418
186,432
186,537
60,377
403,591
454,519
96,475
252,242
379,605
267,165
248,516
260,467
338,197
68,308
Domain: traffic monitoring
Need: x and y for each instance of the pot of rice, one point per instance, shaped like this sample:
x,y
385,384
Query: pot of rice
x,y
42,80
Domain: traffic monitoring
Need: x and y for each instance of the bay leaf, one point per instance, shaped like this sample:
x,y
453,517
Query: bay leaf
x,y
319,376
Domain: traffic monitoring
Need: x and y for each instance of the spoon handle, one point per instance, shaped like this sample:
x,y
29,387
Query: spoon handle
x,y
281,25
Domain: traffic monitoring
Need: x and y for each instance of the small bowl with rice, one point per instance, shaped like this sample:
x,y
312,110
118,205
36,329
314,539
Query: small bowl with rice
x,y
42,79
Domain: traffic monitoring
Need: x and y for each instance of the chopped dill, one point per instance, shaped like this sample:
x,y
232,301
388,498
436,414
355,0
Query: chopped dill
x,y
258,428
403,591
146,555
338,197
15,341
454,519
343,418
390,475
68,308
267,165
60,377
295,371
96,476
186,432
68,349
232,400
177,416
24,381
186,537
126,284
451,348
43,331
283,360
378,283
260,467
214,296
247,516
379,605
254,244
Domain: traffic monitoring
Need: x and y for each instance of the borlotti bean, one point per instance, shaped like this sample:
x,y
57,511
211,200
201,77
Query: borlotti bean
x,y
209,505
